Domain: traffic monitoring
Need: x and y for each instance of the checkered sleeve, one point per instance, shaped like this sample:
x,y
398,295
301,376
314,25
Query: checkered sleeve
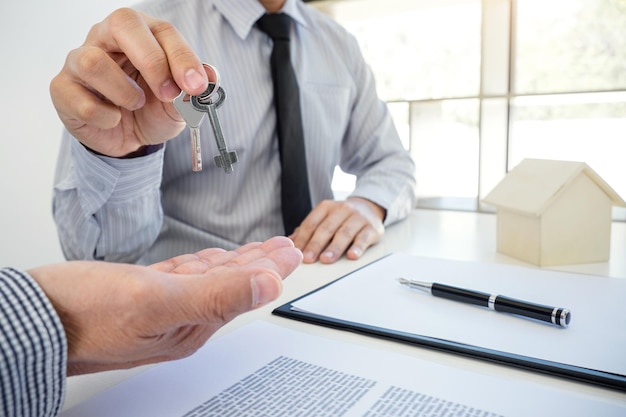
x,y
33,349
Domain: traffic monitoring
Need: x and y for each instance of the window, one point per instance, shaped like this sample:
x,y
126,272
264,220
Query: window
x,y
475,86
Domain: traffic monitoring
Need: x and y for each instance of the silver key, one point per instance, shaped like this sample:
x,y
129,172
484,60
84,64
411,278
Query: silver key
x,y
193,117
209,103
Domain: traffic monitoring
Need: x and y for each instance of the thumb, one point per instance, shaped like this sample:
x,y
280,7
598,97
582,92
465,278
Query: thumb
x,y
221,298
266,288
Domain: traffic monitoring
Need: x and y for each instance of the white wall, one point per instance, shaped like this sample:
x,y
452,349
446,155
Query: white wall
x,y
35,37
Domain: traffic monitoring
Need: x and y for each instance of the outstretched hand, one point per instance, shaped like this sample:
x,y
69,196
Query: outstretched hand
x,y
121,316
115,92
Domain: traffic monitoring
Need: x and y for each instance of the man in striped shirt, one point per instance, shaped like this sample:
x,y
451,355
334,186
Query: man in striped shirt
x,y
87,316
124,188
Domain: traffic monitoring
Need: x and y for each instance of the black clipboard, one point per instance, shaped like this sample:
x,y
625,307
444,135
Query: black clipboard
x,y
571,372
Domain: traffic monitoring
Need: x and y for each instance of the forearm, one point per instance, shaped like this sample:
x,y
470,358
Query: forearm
x,y
385,171
374,152
33,349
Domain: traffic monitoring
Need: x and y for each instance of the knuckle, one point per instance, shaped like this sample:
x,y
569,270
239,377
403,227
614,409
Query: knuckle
x,y
315,245
86,110
344,233
314,248
327,204
307,227
153,61
326,229
369,235
90,60
92,64
163,28
307,230
124,17
182,55
56,86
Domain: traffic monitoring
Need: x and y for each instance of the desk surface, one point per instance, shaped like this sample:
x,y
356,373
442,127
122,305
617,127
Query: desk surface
x,y
440,234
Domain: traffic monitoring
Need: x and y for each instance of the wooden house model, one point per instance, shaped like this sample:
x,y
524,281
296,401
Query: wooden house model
x,y
553,213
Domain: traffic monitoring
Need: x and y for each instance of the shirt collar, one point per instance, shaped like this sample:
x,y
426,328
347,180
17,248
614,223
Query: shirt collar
x,y
243,14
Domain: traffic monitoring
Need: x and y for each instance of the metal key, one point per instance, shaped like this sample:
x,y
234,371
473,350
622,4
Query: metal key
x,y
193,117
209,104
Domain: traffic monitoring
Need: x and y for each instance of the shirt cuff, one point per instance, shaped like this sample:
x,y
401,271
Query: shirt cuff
x,y
34,361
397,206
103,179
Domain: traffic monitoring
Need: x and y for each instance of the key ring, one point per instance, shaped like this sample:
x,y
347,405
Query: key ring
x,y
211,68
204,101
208,93
191,117
212,88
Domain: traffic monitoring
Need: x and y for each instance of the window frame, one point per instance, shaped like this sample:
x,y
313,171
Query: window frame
x,y
496,95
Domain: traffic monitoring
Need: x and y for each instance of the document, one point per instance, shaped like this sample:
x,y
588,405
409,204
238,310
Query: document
x,y
262,369
372,296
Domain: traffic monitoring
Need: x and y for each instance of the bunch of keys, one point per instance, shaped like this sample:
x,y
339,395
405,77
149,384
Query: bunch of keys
x,y
192,109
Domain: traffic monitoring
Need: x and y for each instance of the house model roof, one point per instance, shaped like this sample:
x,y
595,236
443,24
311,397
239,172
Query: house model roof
x,y
532,185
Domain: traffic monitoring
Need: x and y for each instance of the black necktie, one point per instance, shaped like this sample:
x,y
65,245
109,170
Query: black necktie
x,y
295,196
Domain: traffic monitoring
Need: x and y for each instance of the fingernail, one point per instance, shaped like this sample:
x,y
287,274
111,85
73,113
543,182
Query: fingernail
x,y
309,256
356,251
169,90
263,289
194,79
141,101
329,254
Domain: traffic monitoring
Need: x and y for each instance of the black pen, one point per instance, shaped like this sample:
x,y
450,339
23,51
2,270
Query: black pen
x,y
555,315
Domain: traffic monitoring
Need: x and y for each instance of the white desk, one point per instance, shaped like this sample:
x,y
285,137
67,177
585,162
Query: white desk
x,y
431,233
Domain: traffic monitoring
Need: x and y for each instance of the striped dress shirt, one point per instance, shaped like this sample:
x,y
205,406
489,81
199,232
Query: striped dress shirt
x,y
154,207
33,349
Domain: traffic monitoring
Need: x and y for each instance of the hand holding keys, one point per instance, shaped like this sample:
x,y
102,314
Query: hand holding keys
x,y
192,109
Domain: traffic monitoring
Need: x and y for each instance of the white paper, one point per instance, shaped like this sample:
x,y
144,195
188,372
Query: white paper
x,y
215,374
595,339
